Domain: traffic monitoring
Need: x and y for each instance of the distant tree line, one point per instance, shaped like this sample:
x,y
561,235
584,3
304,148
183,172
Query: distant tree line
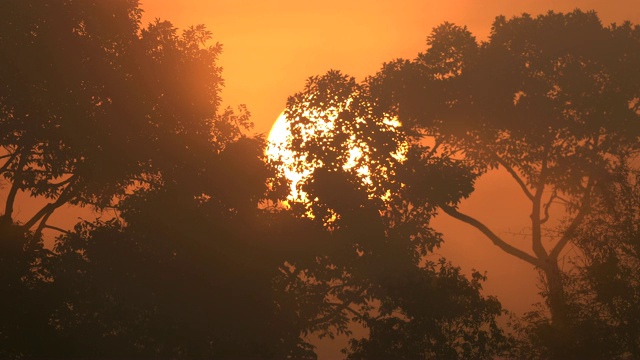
x,y
98,111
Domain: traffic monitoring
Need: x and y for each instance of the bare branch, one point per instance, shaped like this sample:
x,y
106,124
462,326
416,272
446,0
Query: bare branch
x,y
349,309
43,172
9,155
48,209
511,172
43,223
61,183
57,229
563,200
536,222
15,186
546,207
495,239
6,165
517,177
435,148
576,222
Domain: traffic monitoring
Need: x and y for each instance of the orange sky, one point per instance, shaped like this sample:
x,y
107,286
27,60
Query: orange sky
x,y
271,47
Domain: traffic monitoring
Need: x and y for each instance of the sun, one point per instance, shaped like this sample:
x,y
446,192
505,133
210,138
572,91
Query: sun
x,y
355,149
278,150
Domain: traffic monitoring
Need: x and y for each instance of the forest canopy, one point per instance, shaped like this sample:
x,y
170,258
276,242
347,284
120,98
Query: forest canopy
x,y
99,111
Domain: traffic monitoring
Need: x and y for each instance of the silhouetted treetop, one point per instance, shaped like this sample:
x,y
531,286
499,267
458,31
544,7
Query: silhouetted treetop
x,y
92,103
98,110
551,99
374,196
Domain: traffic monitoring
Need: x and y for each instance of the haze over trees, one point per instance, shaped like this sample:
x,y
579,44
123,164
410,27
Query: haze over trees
x,y
201,261
553,100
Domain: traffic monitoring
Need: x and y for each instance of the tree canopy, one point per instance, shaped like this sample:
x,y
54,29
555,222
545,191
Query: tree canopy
x,y
378,214
98,110
200,261
552,100
92,103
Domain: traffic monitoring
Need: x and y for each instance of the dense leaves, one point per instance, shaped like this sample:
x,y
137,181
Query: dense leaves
x,y
377,210
170,284
552,100
96,110
91,103
198,262
433,312
603,285
99,111
24,269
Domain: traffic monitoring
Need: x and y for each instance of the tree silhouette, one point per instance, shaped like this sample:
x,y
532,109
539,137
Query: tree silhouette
x,y
95,110
24,275
183,278
602,287
553,100
92,104
433,312
371,266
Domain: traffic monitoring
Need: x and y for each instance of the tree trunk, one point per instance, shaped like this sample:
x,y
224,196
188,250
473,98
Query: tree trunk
x,y
563,343
557,298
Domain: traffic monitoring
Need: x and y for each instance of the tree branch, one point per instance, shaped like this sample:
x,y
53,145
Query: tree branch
x,y
61,183
15,186
43,223
546,207
536,202
338,310
57,229
6,165
43,172
434,149
582,212
517,178
48,209
495,239
349,309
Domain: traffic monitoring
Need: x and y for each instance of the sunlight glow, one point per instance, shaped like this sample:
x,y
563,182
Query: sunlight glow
x,y
277,150
297,168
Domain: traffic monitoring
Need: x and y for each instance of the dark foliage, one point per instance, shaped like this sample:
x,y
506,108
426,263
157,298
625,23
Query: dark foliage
x,y
97,110
378,220
92,104
553,101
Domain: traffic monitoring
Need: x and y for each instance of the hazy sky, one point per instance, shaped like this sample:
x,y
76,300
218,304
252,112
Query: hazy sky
x,y
271,47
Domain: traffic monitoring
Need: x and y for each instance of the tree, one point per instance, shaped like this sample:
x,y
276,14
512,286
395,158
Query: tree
x,y
183,278
433,312
374,209
602,285
95,110
607,286
91,104
188,269
552,100
24,275
609,243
